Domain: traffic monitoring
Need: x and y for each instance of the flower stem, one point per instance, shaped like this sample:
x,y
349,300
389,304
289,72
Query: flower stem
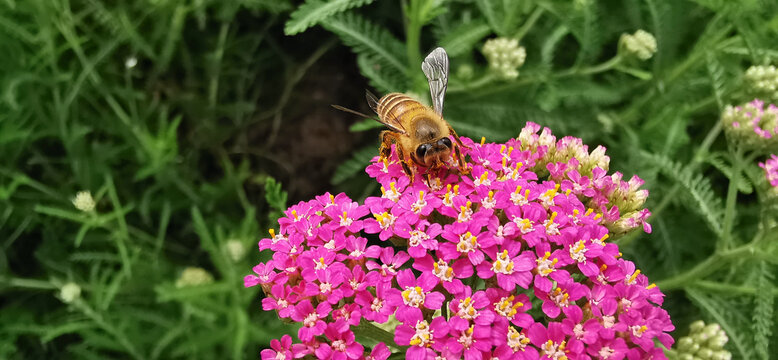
x,y
531,20
710,265
729,210
367,329
592,69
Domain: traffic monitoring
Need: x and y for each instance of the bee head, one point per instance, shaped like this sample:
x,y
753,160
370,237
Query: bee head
x,y
433,152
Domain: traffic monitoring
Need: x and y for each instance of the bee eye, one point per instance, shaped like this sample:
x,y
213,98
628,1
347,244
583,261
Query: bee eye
x,y
422,150
445,142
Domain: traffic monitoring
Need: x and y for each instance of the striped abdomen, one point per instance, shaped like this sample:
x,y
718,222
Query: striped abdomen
x,y
398,107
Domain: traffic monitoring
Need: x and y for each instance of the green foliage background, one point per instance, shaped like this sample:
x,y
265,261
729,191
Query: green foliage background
x,y
180,150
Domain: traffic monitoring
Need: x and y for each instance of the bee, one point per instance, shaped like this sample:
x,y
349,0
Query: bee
x,y
419,132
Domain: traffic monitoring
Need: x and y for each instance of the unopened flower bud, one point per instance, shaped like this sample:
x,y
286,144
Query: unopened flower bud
x,y
235,250
762,81
641,44
83,201
69,292
696,326
193,276
721,355
130,62
753,126
505,56
685,344
465,72
705,353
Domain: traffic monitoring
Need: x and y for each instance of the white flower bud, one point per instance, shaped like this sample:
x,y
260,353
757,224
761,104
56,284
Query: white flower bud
x,y
83,201
69,292
130,62
505,56
193,276
235,250
641,44
762,81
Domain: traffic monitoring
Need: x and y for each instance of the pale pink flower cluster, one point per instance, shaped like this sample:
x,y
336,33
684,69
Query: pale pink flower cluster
x,y
494,264
770,167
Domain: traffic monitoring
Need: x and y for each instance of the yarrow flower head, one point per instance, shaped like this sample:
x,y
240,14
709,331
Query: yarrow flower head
x,y
504,56
641,44
508,259
753,126
703,342
83,201
762,81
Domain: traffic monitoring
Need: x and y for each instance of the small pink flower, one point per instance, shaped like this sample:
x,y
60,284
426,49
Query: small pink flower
x,y
415,295
421,337
342,346
312,319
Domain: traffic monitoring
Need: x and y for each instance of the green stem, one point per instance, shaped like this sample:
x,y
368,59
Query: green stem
x,y
710,265
414,15
729,288
367,329
729,210
605,66
28,283
218,54
533,18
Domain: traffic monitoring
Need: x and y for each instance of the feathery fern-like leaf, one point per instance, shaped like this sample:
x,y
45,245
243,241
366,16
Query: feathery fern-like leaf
x,y
697,187
313,12
763,311
381,75
367,38
717,78
354,165
464,38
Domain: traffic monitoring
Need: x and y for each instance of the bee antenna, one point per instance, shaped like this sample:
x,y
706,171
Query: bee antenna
x,y
372,100
357,113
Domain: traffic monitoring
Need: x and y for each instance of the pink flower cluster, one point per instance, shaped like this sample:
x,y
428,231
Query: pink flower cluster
x,y
495,264
753,124
770,167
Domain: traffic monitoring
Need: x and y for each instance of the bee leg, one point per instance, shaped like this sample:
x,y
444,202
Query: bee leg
x,y
463,167
456,137
386,144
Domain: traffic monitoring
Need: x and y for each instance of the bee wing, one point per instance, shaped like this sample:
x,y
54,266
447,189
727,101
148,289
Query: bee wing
x,y
393,124
435,67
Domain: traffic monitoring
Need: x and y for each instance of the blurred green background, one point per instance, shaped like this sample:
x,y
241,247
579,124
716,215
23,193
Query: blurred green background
x,y
193,123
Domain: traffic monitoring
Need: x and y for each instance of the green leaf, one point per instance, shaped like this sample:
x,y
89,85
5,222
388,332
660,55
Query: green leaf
x,y
463,38
357,163
763,311
381,76
697,187
315,11
366,124
719,161
274,195
367,38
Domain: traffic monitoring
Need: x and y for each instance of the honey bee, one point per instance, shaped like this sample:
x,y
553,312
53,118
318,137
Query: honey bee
x,y
419,132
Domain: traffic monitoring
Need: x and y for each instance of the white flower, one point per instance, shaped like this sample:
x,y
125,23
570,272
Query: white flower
x,y
69,292
83,201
